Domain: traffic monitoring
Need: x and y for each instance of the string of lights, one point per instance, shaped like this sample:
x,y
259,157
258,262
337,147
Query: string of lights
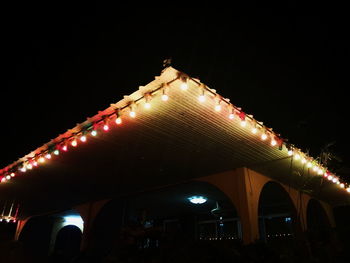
x,y
103,122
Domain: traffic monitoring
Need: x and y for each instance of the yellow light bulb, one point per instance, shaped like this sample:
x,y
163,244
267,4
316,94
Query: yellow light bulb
x,y
41,160
342,185
243,123
290,152
217,107
273,142
132,114
184,85
297,156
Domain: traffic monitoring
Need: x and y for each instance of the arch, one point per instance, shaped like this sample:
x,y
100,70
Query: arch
x,y
67,243
278,216
35,237
165,214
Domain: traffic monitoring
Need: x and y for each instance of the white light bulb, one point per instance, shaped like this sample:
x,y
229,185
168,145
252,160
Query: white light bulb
x,y
217,107
93,132
348,189
263,136
132,114
231,116
56,152
8,177
297,156
48,156
254,130
83,138
290,152
273,142
147,105
330,177
118,120
342,185
243,123
29,166
184,86
201,98
165,97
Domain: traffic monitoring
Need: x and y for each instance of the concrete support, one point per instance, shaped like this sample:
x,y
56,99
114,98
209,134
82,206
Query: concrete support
x,y
243,187
88,212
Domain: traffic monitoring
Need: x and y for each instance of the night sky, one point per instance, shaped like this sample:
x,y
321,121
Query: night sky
x,y
285,64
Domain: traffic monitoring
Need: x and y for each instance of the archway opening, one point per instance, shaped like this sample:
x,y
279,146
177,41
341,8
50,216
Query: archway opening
x,y
166,219
35,238
67,244
278,220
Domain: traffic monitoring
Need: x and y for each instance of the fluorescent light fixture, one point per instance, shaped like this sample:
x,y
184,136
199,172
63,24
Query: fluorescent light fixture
x,y
197,199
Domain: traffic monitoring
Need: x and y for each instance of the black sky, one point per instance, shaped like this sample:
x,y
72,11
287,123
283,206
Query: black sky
x,y
285,64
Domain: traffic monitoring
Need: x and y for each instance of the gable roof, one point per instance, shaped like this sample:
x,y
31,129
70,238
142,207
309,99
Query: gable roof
x,y
247,141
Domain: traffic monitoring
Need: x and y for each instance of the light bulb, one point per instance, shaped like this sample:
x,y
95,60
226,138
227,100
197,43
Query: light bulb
x,y
3,180
297,156
48,156
13,174
184,85
330,177
201,98
290,152
147,105
118,120
348,189
41,159
56,152
263,136
29,166
217,107
320,172
35,163
273,142
8,177
74,143
23,169
315,168
303,160
132,114
83,138
231,116
94,133
254,130
243,123
165,97
65,148
105,127
342,185
335,180
309,165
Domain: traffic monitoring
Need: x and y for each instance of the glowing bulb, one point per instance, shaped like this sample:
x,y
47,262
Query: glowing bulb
x,y
41,160
118,120
132,114
330,177
315,168
83,138
335,180
290,152
273,142
303,160
48,156
348,189
56,152
3,180
65,148
12,174
201,98
243,123
297,157
320,172
309,165
254,130
105,127
74,143
147,105
263,136
35,163
93,132
23,169
231,116
217,107
8,177
342,185
165,97
184,85
29,166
